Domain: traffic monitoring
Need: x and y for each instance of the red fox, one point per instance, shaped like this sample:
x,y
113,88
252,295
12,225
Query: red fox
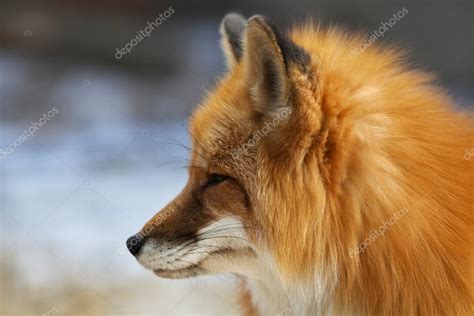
x,y
328,184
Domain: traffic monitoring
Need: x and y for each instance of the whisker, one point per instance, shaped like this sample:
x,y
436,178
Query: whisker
x,y
196,247
232,224
187,148
194,166
192,137
186,236
166,163
229,229
220,237
214,233
223,234
197,251
193,244
186,243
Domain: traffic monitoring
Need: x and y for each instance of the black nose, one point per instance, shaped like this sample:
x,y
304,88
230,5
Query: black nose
x,y
134,244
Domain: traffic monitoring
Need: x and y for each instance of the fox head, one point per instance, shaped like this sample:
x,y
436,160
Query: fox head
x,y
298,154
245,150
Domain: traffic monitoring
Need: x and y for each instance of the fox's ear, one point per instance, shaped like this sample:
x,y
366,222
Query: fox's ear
x,y
232,31
267,58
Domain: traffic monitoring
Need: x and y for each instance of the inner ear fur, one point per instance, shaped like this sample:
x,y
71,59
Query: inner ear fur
x,y
232,30
267,58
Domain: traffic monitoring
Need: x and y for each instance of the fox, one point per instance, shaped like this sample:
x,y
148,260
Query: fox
x,y
326,183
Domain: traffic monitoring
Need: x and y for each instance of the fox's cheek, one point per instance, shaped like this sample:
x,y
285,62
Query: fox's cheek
x,y
226,199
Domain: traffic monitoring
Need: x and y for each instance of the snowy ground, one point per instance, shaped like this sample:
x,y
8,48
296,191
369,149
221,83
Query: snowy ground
x,y
73,192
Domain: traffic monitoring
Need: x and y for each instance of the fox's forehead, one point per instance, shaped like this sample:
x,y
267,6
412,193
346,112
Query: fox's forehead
x,y
222,121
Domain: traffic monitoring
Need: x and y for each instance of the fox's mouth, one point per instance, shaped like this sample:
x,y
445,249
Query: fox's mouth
x,y
191,271
194,269
212,251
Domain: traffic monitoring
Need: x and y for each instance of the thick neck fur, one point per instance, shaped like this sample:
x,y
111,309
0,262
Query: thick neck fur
x,y
372,138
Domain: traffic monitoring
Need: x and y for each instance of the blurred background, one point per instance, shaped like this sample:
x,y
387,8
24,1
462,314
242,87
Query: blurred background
x,y
90,138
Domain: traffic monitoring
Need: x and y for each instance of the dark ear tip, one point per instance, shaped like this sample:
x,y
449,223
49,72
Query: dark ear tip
x,y
260,19
257,17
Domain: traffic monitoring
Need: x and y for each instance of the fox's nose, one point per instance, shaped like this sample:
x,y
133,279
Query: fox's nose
x,y
134,244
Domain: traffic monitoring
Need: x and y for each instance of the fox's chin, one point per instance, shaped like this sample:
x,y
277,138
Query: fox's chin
x,y
189,272
213,263
192,270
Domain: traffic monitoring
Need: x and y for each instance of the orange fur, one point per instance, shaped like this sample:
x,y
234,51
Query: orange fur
x,y
245,300
366,137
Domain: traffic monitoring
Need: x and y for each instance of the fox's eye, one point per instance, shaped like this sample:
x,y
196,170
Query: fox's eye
x,y
215,179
